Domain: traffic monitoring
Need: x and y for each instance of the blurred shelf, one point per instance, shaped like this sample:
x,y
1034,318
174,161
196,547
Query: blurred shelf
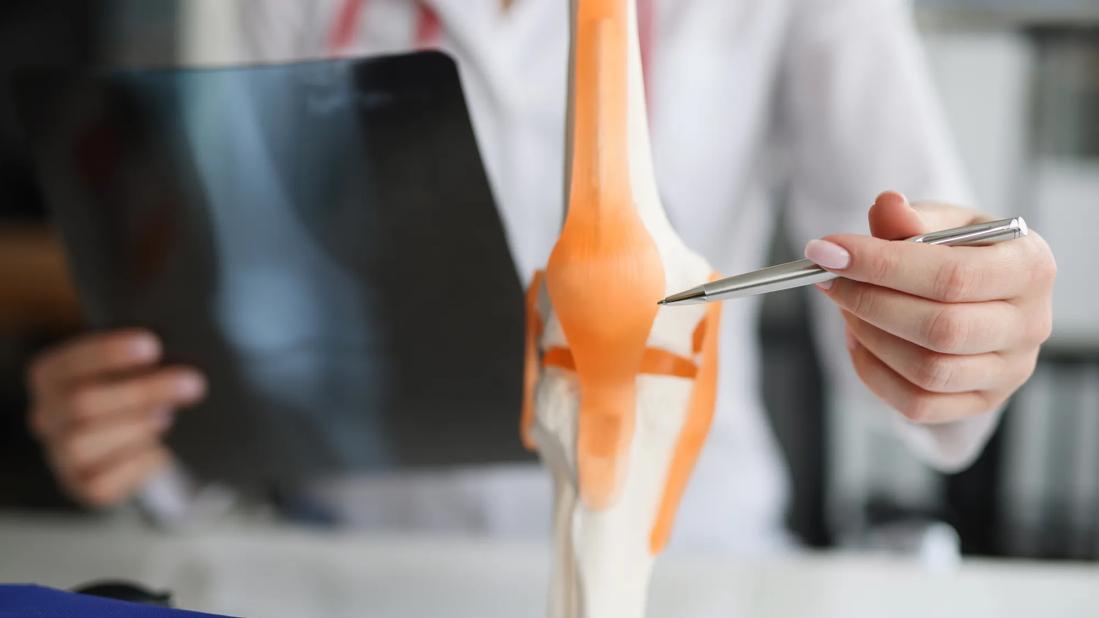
x,y
1062,195
1059,352
1008,13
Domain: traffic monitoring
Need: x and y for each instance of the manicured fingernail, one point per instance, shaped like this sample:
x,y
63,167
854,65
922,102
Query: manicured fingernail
x,y
825,285
827,254
852,343
190,386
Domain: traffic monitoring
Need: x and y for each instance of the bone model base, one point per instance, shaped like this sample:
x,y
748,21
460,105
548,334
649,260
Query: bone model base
x,y
619,392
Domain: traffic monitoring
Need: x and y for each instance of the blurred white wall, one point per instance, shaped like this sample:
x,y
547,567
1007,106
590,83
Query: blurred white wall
x,y
984,84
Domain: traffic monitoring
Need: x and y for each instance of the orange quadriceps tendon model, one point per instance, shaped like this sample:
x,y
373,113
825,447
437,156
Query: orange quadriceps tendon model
x,y
620,393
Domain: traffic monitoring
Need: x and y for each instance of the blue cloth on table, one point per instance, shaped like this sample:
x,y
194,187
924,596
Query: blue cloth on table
x,y
24,601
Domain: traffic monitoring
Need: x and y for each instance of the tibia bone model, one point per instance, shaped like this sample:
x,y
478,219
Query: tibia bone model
x,y
619,392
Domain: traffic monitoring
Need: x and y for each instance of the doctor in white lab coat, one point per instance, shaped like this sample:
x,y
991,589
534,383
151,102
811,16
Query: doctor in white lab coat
x,y
829,99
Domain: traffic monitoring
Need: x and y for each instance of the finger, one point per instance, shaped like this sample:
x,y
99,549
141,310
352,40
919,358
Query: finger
x,y
916,404
892,217
106,402
169,387
946,274
929,370
92,356
118,481
967,328
90,447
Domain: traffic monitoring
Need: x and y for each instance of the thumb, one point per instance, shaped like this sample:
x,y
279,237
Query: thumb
x,y
893,218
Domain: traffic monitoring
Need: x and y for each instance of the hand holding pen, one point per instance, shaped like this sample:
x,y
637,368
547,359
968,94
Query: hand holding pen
x,y
941,333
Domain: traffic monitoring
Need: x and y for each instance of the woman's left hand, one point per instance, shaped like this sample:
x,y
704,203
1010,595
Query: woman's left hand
x,y
939,333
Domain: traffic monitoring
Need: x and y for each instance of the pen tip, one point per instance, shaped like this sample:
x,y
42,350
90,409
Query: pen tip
x,y
662,302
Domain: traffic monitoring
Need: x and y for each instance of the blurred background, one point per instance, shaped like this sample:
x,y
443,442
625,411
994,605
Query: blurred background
x,y
1020,83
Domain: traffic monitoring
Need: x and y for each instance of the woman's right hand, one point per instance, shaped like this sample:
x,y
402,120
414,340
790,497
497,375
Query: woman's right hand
x,y
100,405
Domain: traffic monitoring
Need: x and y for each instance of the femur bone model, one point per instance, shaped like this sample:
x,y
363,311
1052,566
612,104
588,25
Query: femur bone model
x,y
619,392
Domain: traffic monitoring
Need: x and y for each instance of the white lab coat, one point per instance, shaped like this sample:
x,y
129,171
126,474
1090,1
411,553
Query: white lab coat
x,y
829,99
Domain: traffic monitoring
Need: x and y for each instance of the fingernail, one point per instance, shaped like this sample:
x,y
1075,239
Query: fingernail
x,y
827,254
190,386
852,343
825,285
145,346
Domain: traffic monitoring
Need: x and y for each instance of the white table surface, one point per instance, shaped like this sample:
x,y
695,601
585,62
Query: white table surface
x,y
261,569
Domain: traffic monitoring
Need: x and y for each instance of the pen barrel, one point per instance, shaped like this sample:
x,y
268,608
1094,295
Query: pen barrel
x,y
773,279
987,233
804,272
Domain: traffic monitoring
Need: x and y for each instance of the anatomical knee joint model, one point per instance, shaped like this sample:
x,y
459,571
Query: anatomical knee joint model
x,y
619,392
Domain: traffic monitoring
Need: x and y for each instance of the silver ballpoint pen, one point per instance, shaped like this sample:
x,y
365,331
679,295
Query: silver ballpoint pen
x,y
803,272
